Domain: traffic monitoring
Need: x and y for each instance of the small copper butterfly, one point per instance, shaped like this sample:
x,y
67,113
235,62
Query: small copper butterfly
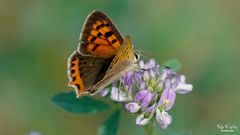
x,y
103,55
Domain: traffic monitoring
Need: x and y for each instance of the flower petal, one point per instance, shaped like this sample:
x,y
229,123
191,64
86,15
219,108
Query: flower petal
x,y
104,92
152,73
152,108
118,95
127,79
167,99
146,100
183,78
132,107
146,75
140,95
142,85
141,120
141,64
154,96
167,83
151,64
160,84
163,118
137,77
163,75
182,87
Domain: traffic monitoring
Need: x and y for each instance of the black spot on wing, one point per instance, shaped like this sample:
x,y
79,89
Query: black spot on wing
x,y
73,59
95,47
99,34
72,64
108,34
92,39
98,27
72,71
102,25
114,41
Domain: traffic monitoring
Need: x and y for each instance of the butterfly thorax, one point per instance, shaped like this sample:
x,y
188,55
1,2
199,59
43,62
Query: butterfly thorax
x,y
125,52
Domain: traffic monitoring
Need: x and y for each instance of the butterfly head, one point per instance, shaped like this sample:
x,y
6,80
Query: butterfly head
x,y
130,49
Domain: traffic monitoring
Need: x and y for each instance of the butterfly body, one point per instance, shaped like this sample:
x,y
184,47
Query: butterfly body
x,y
102,57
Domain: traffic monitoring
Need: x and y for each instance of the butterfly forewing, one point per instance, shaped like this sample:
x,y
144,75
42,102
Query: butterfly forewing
x,y
100,36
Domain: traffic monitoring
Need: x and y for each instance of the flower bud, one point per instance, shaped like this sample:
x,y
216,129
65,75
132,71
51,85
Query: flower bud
x,y
163,118
132,107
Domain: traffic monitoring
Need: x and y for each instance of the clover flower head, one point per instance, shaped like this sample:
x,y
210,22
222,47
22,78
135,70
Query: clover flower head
x,y
149,90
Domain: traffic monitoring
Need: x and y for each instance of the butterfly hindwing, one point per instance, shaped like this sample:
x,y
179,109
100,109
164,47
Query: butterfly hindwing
x,y
99,36
86,71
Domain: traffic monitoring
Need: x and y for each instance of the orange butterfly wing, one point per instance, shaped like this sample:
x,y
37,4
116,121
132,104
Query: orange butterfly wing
x,y
100,42
99,36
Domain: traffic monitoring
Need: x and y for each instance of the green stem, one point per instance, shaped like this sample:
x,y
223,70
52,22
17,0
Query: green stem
x,y
149,129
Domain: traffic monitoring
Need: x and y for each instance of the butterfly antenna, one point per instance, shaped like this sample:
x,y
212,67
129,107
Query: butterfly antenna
x,y
147,55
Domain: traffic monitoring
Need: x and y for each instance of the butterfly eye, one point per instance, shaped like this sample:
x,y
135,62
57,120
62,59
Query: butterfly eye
x,y
136,56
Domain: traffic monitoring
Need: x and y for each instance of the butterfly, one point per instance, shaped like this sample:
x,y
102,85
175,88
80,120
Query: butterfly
x,y
103,55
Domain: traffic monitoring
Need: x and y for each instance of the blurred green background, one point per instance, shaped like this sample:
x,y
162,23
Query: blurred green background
x,y
37,36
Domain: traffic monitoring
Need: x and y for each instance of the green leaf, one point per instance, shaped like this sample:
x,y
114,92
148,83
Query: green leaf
x,y
70,103
174,64
110,126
